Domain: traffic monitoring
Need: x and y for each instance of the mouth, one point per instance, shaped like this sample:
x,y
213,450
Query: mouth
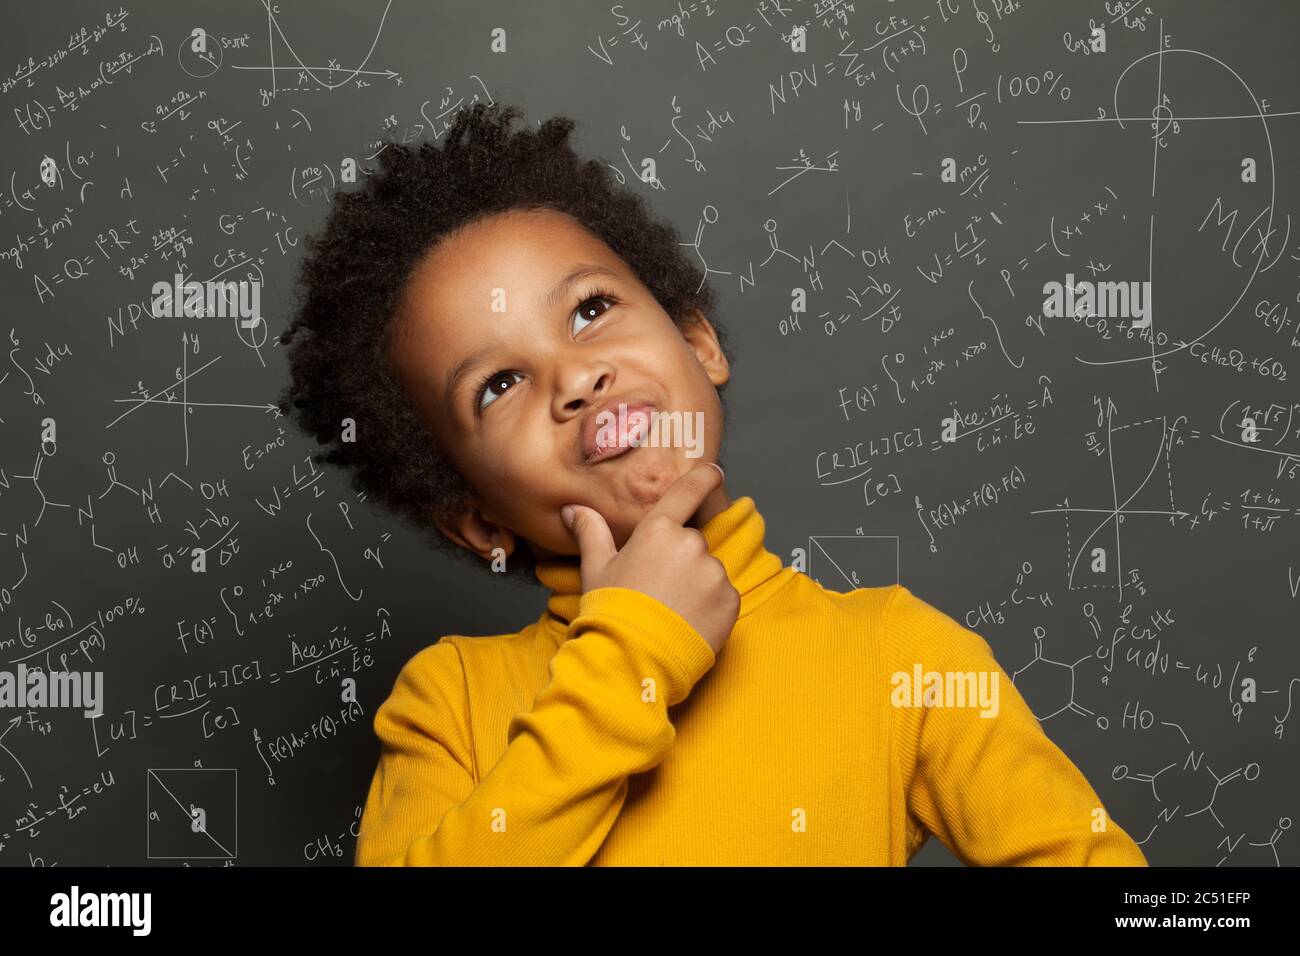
x,y
615,428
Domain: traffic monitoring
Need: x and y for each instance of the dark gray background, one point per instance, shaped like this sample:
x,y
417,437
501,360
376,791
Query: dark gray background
x,y
84,547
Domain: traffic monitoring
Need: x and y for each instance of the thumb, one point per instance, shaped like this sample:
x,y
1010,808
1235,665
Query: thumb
x,y
595,540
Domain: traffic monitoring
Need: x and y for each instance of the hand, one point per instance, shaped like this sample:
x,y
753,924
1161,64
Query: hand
x,y
663,558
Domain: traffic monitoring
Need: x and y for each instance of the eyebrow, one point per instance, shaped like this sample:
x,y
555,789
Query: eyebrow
x,y
546,303
551,299
463,366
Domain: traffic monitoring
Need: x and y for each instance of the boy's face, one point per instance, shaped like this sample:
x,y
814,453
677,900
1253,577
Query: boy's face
x,y
556,348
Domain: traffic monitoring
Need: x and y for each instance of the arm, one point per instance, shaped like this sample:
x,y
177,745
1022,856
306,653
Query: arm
x,y
995,790
556,790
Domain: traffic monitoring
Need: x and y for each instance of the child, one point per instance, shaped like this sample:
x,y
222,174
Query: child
x,y
483,312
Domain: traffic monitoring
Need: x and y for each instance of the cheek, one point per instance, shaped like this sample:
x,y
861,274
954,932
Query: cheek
x,y
525,457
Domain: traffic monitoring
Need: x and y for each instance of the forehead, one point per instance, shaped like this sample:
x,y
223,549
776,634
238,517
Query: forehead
x,y
523,252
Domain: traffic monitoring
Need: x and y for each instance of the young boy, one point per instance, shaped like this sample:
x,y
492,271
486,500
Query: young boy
x,y
485,312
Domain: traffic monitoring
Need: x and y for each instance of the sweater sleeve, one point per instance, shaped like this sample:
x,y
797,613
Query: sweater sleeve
x,y
994,789
557,789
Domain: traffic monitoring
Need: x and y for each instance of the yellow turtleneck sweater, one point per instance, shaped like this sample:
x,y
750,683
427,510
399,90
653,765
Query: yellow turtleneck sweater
x,y
607,733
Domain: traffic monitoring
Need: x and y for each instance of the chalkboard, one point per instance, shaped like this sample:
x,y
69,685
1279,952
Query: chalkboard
x,y
1010,288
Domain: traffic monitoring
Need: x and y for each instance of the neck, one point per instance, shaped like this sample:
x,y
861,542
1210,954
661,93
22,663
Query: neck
x,y
715,502
735,536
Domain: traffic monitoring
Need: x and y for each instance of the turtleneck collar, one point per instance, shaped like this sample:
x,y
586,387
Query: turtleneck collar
x,y
735,537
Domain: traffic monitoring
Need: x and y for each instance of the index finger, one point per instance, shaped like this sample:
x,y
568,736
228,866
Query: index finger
x,y
687,493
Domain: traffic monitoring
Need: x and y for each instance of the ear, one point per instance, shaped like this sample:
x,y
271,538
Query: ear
x,y
475,531
701,336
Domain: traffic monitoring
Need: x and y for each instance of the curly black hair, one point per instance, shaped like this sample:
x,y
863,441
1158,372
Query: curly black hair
x,y
355,269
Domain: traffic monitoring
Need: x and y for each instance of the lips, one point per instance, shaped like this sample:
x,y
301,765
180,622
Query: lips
x,y
602,438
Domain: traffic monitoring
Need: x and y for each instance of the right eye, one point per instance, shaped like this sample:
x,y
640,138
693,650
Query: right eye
x,y
486,389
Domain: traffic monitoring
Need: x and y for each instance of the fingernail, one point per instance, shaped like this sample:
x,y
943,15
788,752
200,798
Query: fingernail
x,y
566,515
719,467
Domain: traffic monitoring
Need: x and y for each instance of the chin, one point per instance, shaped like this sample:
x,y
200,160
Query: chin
x,y
648,477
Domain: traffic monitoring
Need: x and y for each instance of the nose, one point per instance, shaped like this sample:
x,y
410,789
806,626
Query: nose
x,y
579,383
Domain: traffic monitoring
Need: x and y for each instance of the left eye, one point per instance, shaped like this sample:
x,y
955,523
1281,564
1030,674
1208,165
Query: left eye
x,y
587,311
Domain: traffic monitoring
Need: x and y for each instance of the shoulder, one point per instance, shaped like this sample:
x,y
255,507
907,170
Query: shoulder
x,y
916,631
441,675
443,665
906,617
873,602
860,603
430,683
